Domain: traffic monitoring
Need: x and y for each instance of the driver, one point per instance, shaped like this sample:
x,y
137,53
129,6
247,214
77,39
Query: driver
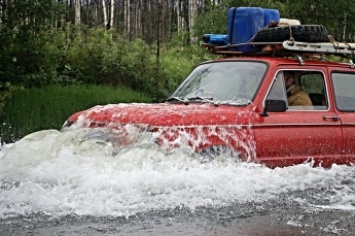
x,y
295,95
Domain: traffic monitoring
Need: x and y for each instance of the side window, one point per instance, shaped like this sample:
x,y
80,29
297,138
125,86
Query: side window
x,y
313,84
277,91
303,90
344,89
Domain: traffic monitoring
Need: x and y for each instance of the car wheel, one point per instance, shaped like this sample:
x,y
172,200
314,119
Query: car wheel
x,y
215,152
303,33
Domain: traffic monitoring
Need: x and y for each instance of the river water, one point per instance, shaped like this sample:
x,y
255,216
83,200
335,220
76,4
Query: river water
x,y
52,183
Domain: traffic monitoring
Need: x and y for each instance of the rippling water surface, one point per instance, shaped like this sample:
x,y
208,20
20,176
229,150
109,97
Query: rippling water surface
x,y
53,183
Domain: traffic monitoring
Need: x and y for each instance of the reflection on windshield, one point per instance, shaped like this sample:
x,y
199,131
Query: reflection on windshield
x,y
230,82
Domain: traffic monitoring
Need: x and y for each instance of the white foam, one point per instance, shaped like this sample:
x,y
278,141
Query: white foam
x,y
58,174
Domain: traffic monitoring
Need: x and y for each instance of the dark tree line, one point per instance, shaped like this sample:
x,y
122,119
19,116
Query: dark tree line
x,y
153,19
38,37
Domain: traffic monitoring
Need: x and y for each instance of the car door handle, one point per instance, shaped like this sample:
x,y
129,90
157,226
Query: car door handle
x,y
334,118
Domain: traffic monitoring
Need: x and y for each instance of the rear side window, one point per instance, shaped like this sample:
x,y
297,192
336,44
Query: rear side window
x,y
344,89
313,84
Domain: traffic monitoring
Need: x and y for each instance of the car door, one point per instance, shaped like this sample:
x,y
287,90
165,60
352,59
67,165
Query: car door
x,y
344,97
299,134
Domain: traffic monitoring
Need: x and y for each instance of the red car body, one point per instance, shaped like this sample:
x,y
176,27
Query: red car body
x,y
277,136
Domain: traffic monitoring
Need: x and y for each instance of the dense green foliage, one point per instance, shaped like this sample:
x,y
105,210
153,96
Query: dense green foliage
x,y
336,16
96,56
34,109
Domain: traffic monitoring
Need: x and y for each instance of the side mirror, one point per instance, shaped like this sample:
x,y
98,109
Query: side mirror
x,y
274,106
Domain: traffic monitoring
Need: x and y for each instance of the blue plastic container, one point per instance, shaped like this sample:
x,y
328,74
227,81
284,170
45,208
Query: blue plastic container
x,y
231,29
243,23
271,15
215,39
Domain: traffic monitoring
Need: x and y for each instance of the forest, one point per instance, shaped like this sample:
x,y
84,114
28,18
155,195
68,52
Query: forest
x,y
144,45
92,41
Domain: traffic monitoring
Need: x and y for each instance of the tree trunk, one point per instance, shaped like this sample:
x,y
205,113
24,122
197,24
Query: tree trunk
x,y
77,13
104,10
129,33
344,26
158,29
178,15
112,14
127,18
138,14
193,7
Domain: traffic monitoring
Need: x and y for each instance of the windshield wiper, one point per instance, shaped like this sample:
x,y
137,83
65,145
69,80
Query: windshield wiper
x,y
179,99
236,102
204,99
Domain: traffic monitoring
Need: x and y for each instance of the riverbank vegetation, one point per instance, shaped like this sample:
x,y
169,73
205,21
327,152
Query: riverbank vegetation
x,y
34,109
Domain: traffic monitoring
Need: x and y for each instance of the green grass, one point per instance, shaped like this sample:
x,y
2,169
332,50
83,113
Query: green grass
x,y
31,110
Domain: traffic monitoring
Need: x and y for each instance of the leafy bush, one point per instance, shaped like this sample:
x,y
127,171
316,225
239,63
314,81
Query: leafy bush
x,y
97,56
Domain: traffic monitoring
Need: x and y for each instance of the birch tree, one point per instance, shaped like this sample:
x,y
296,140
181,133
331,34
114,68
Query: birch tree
x,y
178,9
127,17
138,18
193,7
77,12
104,11
112,14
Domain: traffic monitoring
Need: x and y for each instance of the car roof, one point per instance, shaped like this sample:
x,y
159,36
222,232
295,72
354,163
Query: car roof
x,y
283,61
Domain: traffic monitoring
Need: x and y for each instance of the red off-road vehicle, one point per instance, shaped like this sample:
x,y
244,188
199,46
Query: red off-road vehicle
x,y
237,105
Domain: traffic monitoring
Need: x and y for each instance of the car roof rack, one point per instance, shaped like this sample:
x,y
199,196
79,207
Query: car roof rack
x,y
289,48
285,47
325,48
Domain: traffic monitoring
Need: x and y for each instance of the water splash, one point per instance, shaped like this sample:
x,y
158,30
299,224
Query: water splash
x,y
58,173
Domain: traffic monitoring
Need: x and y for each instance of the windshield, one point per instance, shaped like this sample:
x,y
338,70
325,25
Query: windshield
x,y
234,82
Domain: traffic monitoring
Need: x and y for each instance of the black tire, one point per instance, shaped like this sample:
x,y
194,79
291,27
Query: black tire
x,y
302,33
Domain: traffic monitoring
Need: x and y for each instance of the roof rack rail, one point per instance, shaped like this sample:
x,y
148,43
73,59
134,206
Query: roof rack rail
x,y
287,46
331,48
